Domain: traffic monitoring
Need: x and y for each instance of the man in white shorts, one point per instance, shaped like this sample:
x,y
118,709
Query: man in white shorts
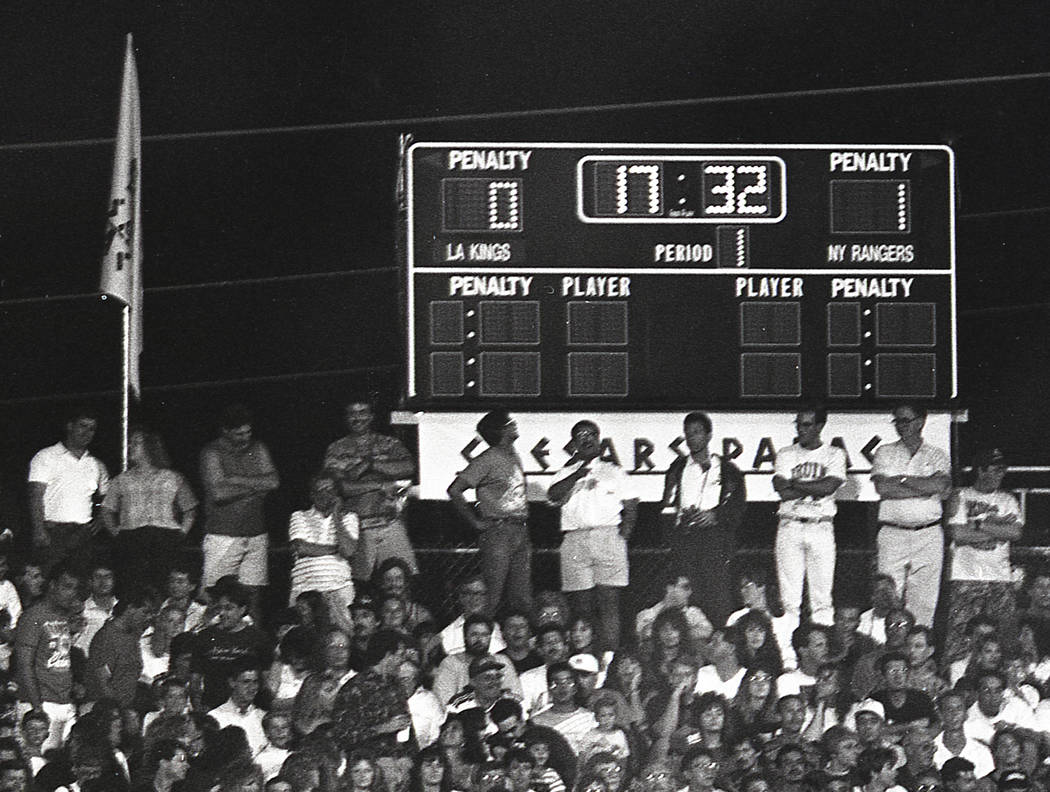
x,y
598,512
237,473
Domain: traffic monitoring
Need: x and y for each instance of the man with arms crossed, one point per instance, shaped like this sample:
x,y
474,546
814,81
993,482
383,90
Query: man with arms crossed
x,y
912,478
806,476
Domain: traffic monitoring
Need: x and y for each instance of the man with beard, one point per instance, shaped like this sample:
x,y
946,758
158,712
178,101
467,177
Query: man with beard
x,y
454,672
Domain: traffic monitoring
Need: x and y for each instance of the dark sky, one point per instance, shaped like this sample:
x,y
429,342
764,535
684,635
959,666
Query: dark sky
x,y
236,208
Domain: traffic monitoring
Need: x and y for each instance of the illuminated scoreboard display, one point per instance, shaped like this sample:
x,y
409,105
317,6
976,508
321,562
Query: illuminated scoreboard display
x,y
662,276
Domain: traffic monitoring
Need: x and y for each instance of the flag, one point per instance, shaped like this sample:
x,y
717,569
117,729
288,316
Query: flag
x,y
122,260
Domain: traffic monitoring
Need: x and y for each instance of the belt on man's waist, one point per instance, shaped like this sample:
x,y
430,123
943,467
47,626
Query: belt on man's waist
x,y
935,523
807,520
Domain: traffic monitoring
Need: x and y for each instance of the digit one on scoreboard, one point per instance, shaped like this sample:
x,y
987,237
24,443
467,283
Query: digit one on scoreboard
x,y
554,276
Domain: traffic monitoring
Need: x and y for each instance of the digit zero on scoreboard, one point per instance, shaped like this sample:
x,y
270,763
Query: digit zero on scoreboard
x,y
568,276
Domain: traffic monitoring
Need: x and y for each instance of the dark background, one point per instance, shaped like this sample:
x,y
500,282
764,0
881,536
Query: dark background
x,y
269,167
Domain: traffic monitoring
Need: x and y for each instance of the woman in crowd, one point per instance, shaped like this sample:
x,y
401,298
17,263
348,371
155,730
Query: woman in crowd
x,y
431,772
711,719
623,680
363,773
156,642
149,508
670,639
754,707
755,642
581,637
165,768
463,751
297,656
393,578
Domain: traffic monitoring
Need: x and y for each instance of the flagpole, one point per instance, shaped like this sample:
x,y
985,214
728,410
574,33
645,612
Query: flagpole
x,y
125,395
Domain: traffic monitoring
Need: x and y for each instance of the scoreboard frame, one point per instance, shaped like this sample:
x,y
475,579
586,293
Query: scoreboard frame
x,y
417,265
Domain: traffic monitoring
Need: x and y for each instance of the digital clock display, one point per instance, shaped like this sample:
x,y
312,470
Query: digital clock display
x,y
652,276
682,190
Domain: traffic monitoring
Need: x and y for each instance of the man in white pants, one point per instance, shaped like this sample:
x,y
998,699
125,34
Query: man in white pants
x,y
912,478
806,476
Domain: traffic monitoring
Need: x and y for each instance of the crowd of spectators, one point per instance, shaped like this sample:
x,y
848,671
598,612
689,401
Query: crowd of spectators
x,y
129,664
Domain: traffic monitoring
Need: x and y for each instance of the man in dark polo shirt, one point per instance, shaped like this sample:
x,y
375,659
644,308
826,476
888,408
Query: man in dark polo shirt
x,y
237,473
231,643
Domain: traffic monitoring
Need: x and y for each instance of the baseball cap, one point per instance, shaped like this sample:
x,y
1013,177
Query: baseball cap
x,y
868,705
988,457
479,665
584,663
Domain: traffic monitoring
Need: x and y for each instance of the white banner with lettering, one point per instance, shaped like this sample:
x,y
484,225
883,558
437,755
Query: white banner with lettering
x,y
646,443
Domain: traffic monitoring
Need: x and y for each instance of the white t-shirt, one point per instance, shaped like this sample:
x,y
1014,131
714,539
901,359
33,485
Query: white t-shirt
x,y
71,482
810,464
597,498
972,563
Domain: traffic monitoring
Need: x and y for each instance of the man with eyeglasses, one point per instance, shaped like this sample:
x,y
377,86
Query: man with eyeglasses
x,y
806,475
912,478
598,512
501,513
472,597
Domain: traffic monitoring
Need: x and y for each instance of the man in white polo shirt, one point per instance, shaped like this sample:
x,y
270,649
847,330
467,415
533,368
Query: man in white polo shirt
x,y
598,512
912,478
64,479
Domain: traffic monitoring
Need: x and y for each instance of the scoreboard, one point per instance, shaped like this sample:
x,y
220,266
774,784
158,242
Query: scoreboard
x,y
615,276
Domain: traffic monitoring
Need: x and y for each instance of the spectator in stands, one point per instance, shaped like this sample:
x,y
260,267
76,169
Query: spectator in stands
x,y
671,637
426,710
42,652
678,589
551,607
373,471
472,598
237,474
564,715
115,656
323,539
500,516
904,706
181,587
953,741
708,496
847,644
149,508
370,709
517,632
10,610
239,709
454,672
599,508
919,749
724,671
810,642
912,478
994,711
623,683
227,645
754,706
957,775
101,601
883,599
806,477
1038,590
756,595
554,648
983,520
316,697
866,674
393,578
700,767
166,766
922,664
64,482
155,643
791,768
755,642
30,582
877,770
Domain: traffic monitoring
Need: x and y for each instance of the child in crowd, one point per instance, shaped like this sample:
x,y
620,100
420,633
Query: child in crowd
x,y
607,736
